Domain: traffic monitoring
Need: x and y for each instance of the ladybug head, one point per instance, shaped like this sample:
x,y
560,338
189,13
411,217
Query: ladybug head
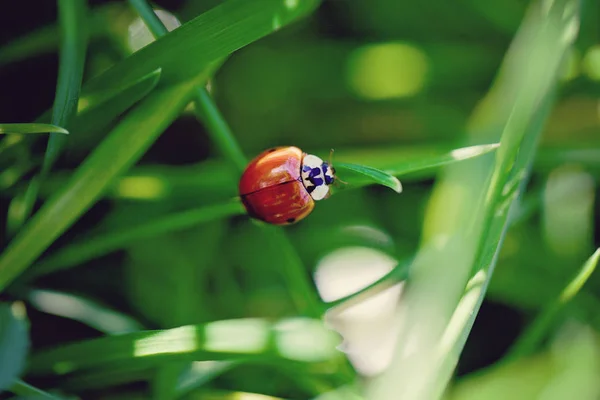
x,y
316,175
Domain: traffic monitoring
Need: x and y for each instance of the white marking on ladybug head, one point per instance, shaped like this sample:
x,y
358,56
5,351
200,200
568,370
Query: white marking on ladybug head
x,y
316,176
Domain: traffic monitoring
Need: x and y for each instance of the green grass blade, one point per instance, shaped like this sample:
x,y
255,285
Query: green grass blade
x,y
197,44
97,111
151,20
468,215
387,169
207,111
528,341
121,149
218,129
30,392
14,343
72,15
32,128
372,174
247,339
99,245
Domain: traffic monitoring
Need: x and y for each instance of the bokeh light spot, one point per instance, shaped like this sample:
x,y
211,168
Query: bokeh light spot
x,y
591,63
140,187
387,70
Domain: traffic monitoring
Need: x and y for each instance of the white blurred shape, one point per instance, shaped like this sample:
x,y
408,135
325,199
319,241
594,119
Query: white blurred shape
x,y
369,328
82,310
138,34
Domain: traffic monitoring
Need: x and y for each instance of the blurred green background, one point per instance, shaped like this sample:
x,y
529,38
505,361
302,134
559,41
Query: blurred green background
x,y
379,81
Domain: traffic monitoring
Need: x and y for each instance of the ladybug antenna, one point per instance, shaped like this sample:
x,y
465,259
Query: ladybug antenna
x,y
337,179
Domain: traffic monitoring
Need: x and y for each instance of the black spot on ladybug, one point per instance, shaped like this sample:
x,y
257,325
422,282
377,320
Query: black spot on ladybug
x,y
291,220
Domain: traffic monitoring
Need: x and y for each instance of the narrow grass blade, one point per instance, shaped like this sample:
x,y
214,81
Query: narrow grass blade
x,y
27,391
14,343
207,111
247,339
121,149
32,128
195,45
99,245
218,129
72,16
468,215
528,341
373,174
387,170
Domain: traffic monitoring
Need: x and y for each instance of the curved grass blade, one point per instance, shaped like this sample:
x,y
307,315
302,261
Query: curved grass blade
x,y
372,174
72,16
467,218
301,340
386,174
534,335
116,153
191,48
30,392
32,128
97,113
102,244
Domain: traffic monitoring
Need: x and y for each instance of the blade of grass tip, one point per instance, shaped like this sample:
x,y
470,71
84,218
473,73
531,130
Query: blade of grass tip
x,y
373,174
434,328
387,176
123,146
72,16
304,293
30,392
534,335
32,128
102,244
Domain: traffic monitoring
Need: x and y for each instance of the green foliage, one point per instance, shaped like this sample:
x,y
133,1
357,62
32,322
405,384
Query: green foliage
x,y
124,232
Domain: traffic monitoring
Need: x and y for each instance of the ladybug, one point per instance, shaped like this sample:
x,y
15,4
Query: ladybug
x,y
280,186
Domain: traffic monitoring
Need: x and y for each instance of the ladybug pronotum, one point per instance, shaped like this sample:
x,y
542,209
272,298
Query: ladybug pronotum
x,y
280,186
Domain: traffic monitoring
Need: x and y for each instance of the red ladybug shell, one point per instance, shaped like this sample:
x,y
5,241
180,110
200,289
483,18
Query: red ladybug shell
x,y
271,188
